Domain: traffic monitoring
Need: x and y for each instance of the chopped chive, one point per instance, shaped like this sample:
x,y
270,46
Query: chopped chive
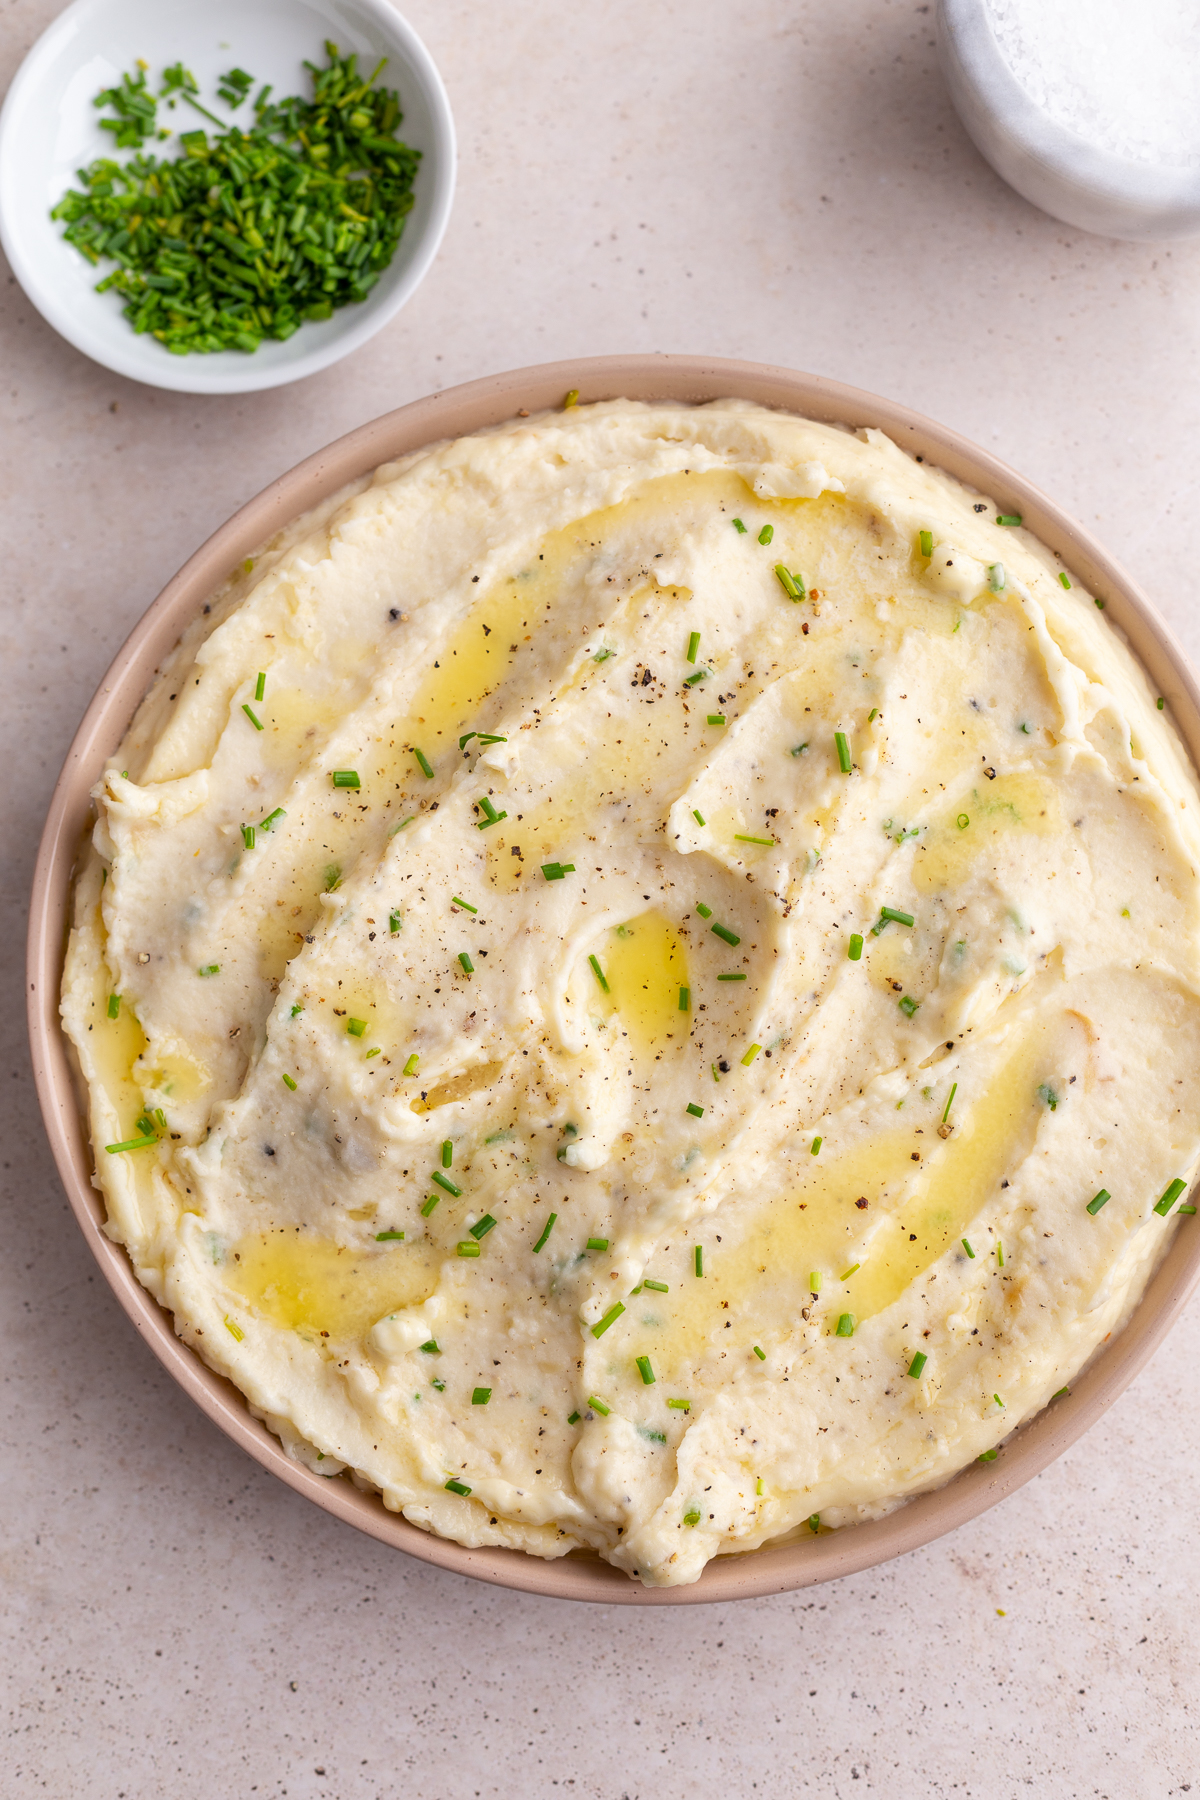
x,y
248,837
468,967
726,936
716,718
597,1243
680,1405
260,687
697,1112
1064,578
927,543
598,972
917,1364
288,1082
693,646
492,737
966,1246
138,1143
1059,1393
950,1102
1170,1197
788,583
758,1486
737,525
603,655
402,824
296,1009
444,1181
989,1456
356,1027
572,399
271,818
997,580
456,900
439,1385
541,1243
697,815
410,1067
656,1287
761,1354
700,675
1161,703
346,778
382,1237
493,818
999,1256
457,1487
573,1418
908,1006
856,947
815,1149
814,1523
114,1005
598,1406
1187,1209
740,837
429,1205
894,917
430,1347
735,975
233,1329
843,751
1101,1199
645,1371
610,1318
555,871
699,1259
256,722
465,739
766,534
852,1270
750,1055
1008,518
685,999
962,821
997,1399
846,1324
704,911
210,969
815,1279
468,1247
872,715
447,1152
480,1396
425,765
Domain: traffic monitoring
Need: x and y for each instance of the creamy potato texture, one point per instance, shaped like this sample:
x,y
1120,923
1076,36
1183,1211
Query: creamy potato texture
x,y
470,947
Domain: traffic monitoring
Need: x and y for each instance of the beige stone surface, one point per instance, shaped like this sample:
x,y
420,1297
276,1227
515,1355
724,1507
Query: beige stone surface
x,y
783,182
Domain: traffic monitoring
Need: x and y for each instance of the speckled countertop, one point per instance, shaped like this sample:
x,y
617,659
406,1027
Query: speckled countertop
x,y
786,183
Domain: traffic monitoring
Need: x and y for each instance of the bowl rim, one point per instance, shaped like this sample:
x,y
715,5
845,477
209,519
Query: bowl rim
x,y
196,374
475,406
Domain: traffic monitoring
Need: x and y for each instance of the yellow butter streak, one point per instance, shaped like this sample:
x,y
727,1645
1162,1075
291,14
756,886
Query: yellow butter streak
x,y
306,1283
645,966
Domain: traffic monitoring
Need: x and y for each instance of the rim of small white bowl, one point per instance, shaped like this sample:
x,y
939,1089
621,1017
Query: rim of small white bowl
x,y
775,1568
218,373
1053,168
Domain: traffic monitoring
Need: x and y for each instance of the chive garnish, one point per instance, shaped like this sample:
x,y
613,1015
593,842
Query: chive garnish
x,y
1102,1199
457,900
856,947
249,712
656,1287
425,764
908,1006
598,1406
846,1324
798,749
997,580
917,1364
966,1246
760,1353
288,1082
700,675
234,1329
680,1405
444,1181
573,1418
737,525
685,999
546,1233
872,715
394,921
927,543
843,751
401,825
1187,1209
480,1396
697,815
1063,578
429,1205
750,1055
847,1273
699,1259
766,534
457,1487
735,975
962,821
1170,1197
815,1279
1008,518
716,718
726,936
815,1149
468,1247
704,911
260,687
693,646
356,1027
603,655
410,1067
138,1143
950,1102
572,399
645,1371
555,871
114,1005
271,818
598,972
997,1399
468,967
787,582
989,1456
597,1243
447,1152
610,1318
382,1237
376,1051
740,837
248,836
210,969
697,1112
346,778
891,916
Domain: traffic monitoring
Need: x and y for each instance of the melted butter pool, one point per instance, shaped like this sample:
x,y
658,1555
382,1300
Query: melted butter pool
x,y
306,1283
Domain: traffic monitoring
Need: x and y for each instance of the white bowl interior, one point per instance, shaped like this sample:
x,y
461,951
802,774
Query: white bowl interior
x,y
49,129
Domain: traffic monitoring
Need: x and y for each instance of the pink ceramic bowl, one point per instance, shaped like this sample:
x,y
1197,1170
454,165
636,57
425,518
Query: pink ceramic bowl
x,y
773,1569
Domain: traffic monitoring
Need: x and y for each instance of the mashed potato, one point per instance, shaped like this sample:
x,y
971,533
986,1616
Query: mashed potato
x,y
638,984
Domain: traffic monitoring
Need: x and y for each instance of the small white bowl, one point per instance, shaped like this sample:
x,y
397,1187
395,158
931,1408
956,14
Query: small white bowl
x,y
49,128
1062,173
